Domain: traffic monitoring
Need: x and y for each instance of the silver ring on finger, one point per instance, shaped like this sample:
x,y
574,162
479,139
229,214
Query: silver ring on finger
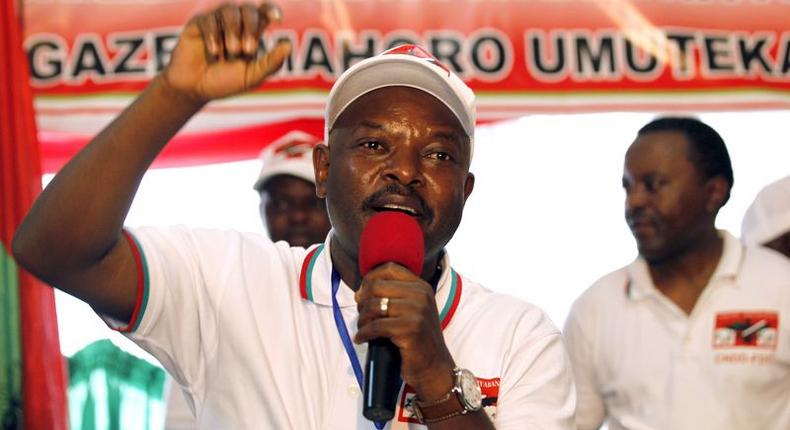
x,y
384,306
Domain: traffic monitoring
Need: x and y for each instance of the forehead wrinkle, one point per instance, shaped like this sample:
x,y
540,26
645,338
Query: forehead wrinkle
x,y
366,123
400,126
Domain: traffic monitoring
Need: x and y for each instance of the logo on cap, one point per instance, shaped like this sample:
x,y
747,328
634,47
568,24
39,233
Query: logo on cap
x,y
294,149
419,52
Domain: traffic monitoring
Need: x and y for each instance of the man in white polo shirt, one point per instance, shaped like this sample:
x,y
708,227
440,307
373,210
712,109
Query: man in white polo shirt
x,y
694,333
262,335
767,221
290,211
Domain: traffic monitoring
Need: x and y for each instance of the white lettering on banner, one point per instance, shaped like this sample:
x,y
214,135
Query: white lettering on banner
x,y
121,57
681,53
753,51
486,54
130,49
718,54
608,55
46,56
316,55
595,58
355,49
491,54
546,61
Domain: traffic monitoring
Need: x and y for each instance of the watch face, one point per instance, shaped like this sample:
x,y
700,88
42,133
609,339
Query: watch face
x,y
470,390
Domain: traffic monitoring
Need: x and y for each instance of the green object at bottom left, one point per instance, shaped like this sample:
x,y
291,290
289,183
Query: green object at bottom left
x,y
10,347
110,389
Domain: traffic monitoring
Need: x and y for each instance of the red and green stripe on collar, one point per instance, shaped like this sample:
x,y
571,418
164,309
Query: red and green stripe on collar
x,y
306,286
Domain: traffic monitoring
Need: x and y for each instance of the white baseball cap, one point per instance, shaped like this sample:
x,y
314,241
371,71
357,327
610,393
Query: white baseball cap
x,y
768,217
407,66
291,154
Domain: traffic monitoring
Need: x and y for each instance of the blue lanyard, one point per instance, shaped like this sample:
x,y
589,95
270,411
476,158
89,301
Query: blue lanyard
x,y
342,330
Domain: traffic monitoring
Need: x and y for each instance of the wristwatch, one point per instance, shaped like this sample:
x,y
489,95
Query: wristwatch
x,y
463,398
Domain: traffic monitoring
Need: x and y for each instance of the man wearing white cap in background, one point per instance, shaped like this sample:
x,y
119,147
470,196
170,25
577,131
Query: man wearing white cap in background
x,y
767,221
261,335
290,208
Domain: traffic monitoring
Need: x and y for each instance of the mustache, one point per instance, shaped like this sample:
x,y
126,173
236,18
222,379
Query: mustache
x,y
635,215
378,198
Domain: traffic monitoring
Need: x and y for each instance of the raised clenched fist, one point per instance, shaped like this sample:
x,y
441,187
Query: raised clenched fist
x,y
217,53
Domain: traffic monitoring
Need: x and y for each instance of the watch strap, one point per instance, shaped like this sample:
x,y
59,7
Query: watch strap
x,y
447,407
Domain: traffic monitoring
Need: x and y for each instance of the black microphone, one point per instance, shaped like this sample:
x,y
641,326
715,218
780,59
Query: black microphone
x,y
397,238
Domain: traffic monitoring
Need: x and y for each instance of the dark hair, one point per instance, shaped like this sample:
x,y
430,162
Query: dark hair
x,y
708,153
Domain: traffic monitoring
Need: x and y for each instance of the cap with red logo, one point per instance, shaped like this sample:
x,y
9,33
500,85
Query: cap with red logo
x,y
409,66
291,154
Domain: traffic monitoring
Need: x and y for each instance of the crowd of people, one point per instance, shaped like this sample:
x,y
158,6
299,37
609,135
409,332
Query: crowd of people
x,y
268,331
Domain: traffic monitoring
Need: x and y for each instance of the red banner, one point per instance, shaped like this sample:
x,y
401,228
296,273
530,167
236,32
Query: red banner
x,y
520,56
27,306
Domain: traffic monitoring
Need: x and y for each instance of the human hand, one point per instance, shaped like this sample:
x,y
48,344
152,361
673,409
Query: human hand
x,y
217,53
411,323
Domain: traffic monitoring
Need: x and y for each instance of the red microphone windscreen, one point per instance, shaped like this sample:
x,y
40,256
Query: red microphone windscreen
x,y
391,237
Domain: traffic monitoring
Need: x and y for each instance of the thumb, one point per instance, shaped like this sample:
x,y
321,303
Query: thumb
x,y
269,63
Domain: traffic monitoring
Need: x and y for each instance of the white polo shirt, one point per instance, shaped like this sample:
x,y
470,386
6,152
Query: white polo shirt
x,y
642,363
246,328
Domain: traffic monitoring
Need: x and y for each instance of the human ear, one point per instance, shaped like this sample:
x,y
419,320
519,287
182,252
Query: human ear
x,y
718,193
469,185
321,169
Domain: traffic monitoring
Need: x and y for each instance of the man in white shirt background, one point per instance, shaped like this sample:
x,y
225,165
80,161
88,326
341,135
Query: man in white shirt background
x,y
693,334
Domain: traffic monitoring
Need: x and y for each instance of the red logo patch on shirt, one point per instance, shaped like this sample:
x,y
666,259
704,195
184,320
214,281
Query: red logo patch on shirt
x,y
488,387
746,329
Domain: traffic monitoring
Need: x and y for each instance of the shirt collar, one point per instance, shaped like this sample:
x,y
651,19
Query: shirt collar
x,y
315,283
731,257
639,284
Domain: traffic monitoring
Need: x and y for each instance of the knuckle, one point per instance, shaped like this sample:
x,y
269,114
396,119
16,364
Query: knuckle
x,y
206,22
363,287
389,267
375,287
370,307
266,8
415,324
426,298
226,6
363,321
383,271
376,326
230,14
249,12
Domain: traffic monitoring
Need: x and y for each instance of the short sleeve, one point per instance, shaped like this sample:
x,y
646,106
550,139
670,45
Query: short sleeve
x,y
537,384
184,274
590,410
